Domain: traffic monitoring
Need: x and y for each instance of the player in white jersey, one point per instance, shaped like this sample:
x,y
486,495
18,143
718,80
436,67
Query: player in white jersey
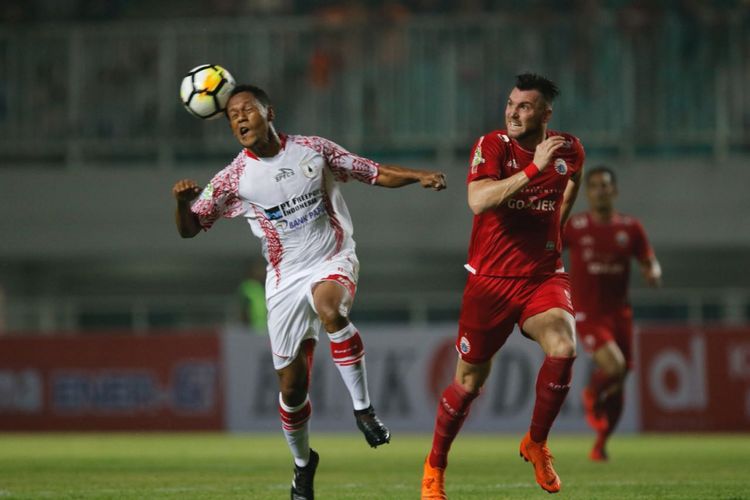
x,y
286,187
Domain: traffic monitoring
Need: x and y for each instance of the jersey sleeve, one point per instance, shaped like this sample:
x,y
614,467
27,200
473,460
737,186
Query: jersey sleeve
x,y
487,156
642,249
580,154
220,197
343,164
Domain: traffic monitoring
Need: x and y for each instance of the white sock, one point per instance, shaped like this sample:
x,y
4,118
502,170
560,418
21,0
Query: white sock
x,y
294,423
348,353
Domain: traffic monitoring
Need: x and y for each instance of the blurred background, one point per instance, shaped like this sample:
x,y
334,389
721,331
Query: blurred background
x,y
92,137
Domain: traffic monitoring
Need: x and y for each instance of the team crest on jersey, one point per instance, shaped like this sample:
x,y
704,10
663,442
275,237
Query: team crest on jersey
x,y
561,167
478,159
308,169
464,345
622,238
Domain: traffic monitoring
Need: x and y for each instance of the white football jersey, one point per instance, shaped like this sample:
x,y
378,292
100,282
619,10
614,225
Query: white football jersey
x,y
291,201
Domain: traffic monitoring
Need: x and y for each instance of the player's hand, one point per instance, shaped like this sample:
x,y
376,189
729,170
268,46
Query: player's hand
x,y
652,277
433,180
546,149
186,190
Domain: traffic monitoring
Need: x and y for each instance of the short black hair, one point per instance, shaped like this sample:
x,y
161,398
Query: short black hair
x,y
258,92
532,81
601,169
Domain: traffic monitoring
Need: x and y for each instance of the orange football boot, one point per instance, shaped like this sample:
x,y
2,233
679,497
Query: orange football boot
x,y
541,458
598,454
433,482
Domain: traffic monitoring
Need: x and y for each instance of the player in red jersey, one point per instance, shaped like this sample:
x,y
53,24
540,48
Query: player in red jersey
x,y
521,185
602,242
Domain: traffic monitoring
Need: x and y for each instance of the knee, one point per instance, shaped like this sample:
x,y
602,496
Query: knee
x,y
563,347
617,369
293,395
559,340
331,317
471,382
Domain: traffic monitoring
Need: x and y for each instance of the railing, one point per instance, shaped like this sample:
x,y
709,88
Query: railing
x,y
141,314
107,94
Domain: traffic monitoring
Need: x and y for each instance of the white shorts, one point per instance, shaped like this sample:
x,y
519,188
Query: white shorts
x,y
292,318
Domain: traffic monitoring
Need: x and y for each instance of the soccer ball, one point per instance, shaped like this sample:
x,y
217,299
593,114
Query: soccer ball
x,y
205,90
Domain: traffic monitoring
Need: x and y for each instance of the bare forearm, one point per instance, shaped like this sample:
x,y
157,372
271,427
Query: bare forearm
x,y
393,176
187,222
486,194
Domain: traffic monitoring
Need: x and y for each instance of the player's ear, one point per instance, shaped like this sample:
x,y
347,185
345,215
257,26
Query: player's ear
x,y
547,114
271,113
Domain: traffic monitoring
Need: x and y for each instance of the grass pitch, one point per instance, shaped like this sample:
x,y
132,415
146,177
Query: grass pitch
x,y
208,466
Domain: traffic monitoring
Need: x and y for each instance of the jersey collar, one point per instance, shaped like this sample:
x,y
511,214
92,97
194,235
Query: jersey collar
x,y
282,138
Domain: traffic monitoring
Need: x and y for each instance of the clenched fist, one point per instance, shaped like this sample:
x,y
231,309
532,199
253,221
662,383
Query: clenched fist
x,y
186,190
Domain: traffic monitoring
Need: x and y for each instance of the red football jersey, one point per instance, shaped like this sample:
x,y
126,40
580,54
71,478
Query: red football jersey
x,y
521,237
600,256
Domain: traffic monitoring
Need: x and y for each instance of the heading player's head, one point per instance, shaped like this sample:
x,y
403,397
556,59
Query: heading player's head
x,y
601,188
529,106
250,114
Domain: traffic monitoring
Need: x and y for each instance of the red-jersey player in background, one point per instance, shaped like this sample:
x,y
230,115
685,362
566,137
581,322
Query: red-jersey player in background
x,y
521,184
602,242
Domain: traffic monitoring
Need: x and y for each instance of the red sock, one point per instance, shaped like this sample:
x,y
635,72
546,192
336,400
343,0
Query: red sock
x,y
552,385
600,383
451,412
612,407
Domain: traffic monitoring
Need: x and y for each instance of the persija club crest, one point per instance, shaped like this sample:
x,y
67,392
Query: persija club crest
x,y
464,345
561,167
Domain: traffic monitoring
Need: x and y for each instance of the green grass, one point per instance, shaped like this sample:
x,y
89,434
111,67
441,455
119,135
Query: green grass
x,y
207,466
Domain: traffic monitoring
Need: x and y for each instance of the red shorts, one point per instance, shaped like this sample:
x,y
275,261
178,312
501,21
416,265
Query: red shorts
x,y
492,306
595,330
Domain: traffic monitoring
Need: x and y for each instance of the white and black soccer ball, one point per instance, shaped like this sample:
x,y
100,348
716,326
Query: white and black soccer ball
x,y
205,90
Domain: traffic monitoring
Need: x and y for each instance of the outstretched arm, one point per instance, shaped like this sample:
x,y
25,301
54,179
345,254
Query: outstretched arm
x,y
187,222
394,176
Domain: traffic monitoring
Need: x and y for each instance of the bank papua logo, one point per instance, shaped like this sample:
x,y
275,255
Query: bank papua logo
x,y
464,345
561,167
284,173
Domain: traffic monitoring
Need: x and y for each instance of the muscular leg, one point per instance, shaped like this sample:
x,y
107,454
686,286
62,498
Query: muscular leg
x,y
294,404
554,331
606,387
610,362
332,304
453,408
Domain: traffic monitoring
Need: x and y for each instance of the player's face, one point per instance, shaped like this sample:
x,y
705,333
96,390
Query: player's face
x,y
601,191
525,113
249,119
